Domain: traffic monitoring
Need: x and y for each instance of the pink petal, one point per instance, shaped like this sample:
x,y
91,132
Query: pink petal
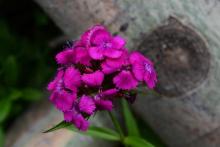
x,y
82,56
72,78
69,115
81,123
63,100
125,80
86,37
106,69
150,79
138,71
136,57
78,43
110,92
112,53
96,53
65,57
93,79
119,62
118,42
77,119
53,84
104,105
86,104
99,37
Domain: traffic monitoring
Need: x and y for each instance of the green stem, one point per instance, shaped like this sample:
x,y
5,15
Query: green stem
x,y
117,126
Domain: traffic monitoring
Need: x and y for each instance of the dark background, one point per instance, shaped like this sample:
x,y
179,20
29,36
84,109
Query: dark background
x,y
28,43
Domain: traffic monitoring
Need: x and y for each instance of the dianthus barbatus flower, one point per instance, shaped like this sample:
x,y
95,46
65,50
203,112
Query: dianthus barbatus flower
x,y
87,104
125,80
101,43
77,119
95,70
143,69
111,65
75,54
93,79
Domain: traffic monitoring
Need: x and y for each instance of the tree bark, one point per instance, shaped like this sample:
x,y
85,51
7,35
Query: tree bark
x,y
182,37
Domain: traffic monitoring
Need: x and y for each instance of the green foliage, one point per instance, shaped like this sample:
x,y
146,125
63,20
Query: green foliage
x,y
137,142
58,126
135,137
130,121
98,132
149,134
5,106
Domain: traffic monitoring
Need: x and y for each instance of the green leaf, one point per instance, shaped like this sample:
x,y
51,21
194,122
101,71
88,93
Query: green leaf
x,y
99,132
137,142
149,134
10,70
2,137
60,125
31,94
5,107
130,121
14,94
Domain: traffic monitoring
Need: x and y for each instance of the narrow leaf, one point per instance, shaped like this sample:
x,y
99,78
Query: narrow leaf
x,y
99,132
5,107
137,142
130,120
60,125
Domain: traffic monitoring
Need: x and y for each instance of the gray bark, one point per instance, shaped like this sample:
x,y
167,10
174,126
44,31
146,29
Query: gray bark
x,y
182,37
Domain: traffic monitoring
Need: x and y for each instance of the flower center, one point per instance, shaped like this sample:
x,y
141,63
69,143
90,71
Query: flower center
x,y
148,67
106,45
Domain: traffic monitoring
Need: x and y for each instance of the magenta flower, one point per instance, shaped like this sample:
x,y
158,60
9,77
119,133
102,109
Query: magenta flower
x,y
143,69
63,100
101,43
103,104
56,84
95,71
81,122
75,54
82,56
125,80
87,104
77,119
93,79
86,36
110,92
72,78
65,57
111,65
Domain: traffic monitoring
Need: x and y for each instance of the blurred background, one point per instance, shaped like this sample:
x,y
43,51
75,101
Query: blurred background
x,y
28,42
182,36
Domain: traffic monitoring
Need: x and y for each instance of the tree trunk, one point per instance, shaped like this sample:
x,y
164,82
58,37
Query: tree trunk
x,y
182,37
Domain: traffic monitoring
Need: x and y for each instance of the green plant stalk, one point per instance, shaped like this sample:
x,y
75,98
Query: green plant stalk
x,y
117,126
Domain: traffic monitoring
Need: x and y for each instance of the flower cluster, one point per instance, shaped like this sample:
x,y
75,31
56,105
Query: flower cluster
x,y
94,71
